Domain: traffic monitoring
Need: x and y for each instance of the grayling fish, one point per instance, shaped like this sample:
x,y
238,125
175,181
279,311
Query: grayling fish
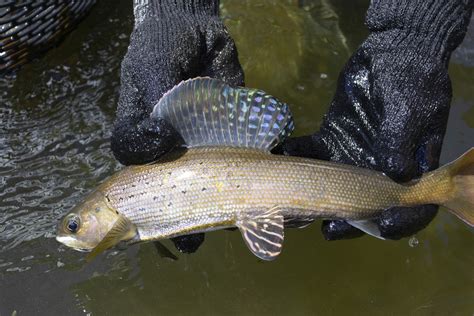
x,y
226,177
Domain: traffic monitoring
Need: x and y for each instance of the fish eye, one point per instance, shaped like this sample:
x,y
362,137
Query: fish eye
x,y
73,223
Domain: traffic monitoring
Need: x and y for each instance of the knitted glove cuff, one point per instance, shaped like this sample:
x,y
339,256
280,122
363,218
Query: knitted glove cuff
x,y
429,27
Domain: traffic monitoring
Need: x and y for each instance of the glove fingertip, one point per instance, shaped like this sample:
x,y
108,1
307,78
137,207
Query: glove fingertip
x,y
188,243
134,144
309,146
400,222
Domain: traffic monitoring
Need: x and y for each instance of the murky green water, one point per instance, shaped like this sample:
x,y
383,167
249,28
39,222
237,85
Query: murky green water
x,y
56,120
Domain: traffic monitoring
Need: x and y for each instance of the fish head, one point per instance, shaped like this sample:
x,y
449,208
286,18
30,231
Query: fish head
x,y
84,227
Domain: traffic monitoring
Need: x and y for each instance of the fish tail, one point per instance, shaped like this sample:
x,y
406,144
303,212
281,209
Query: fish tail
x,y
451,185
460,199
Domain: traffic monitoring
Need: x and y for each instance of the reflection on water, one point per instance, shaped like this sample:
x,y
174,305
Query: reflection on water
x,y
56,120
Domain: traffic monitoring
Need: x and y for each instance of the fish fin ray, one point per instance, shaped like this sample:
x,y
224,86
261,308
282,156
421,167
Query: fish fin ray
x,y
368,227
298,222
121,230
263,233
209,112
164,251
461,201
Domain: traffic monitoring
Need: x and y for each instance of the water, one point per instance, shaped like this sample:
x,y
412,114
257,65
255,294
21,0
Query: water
x,y
54,147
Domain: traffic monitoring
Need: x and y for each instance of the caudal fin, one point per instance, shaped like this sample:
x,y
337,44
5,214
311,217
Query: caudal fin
x,y
461,202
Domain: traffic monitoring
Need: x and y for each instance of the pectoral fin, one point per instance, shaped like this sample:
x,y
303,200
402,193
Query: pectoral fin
x,y
263,233
123,229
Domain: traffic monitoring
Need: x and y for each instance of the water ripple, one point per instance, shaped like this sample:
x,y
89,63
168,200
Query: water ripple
x,y
54,137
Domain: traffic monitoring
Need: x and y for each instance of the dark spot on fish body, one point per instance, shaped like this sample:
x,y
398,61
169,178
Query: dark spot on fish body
x,y
184,191
97,209
131,196
170,204
203,189
173,186
238,186
155,198
141,209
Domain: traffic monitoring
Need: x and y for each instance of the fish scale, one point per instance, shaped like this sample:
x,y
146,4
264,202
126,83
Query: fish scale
x,y
211,186
227,177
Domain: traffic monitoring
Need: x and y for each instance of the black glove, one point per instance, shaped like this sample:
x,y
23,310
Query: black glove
x,y
392,103
172,40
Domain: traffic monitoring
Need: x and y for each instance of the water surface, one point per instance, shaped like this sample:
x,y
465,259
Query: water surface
x,y
56,119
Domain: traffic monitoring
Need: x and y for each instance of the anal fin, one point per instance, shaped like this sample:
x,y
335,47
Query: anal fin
x,y
263,232
368,227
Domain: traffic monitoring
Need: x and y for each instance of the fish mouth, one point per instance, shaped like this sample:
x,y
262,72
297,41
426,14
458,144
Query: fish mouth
x,y
72,243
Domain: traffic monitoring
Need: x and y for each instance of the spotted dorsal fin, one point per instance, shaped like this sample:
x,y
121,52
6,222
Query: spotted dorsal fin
x,y
209,112
263,232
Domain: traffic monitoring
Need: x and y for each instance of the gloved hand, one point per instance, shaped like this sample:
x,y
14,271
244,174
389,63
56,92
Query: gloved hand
x,y
172,40
392,103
